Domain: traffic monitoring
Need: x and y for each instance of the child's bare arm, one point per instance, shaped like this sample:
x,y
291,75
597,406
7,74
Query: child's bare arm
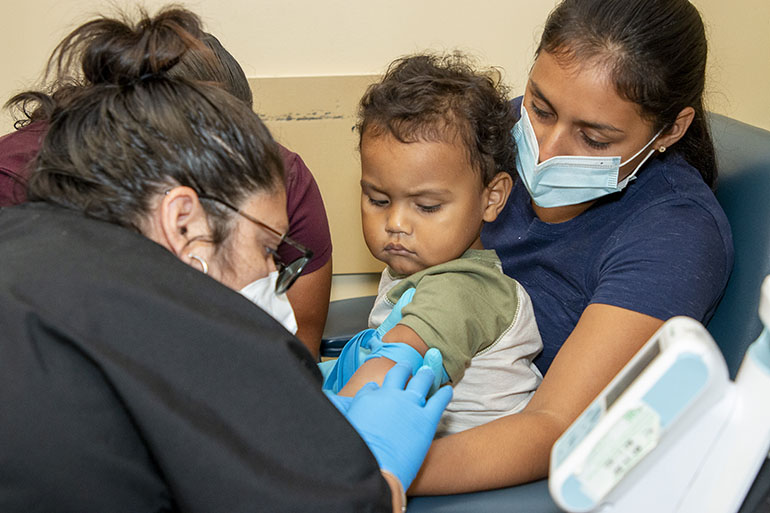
x,y
376,368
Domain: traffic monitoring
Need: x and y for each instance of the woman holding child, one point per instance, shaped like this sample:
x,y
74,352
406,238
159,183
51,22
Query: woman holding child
x,y
612,227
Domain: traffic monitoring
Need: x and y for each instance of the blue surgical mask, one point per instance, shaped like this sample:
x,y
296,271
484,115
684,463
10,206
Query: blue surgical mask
x,y
567,180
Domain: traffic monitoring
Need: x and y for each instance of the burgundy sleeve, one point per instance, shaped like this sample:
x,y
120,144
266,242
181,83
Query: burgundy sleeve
x,y
17,151
308,223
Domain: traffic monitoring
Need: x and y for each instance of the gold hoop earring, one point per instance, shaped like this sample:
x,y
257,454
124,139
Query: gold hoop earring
x,y
201,261
662,149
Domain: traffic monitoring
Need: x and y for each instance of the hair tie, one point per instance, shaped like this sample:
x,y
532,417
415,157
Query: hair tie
x,y
141,79
161,73
170,64
148,76
203,263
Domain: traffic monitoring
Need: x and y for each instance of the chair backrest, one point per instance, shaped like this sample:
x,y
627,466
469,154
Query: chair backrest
x,y
346,317
743,156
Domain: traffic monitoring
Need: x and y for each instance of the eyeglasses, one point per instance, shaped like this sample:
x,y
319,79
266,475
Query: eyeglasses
x,y
287,273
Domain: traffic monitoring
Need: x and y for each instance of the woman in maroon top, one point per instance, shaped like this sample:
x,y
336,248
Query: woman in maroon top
x,y
309,296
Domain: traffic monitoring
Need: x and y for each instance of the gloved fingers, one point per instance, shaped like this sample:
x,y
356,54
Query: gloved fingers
x,y
395,315
397,376
374,343
342,403
404,300
438,402
435,361
421,382
366,389
432,357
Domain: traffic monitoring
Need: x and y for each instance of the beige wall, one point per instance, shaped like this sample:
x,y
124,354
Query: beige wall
x,y
739,67
300,37
340,37
283,38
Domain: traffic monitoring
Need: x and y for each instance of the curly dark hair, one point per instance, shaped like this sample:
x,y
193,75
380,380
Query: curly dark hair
x,y
426,97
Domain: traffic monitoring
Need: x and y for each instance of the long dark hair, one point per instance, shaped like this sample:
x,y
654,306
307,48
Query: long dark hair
x,y
656,53
130,130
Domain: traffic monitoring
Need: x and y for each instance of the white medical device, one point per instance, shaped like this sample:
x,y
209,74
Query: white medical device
x,y
671,432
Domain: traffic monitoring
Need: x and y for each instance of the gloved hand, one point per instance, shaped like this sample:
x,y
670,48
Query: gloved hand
x,y
368,344
432,358
341,402
435,361
394,317
396,423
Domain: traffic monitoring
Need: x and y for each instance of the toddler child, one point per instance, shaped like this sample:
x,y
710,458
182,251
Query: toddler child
x,y
436,153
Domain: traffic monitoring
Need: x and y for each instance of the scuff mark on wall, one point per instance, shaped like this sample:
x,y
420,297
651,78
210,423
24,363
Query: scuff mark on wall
x,y
295,116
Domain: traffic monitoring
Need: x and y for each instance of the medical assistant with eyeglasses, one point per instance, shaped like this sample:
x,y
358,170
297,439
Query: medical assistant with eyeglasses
x,y
136,372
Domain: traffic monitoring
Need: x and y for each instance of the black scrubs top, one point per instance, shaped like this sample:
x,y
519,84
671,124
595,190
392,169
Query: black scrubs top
x,y
130,382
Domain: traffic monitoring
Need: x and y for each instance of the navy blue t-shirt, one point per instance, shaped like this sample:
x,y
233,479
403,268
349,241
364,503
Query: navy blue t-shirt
x,y
662,247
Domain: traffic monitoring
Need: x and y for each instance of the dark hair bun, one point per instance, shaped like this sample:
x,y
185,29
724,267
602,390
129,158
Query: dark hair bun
x,y
128,126
116,51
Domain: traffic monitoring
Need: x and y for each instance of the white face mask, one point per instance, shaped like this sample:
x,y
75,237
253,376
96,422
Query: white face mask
x,y
262,293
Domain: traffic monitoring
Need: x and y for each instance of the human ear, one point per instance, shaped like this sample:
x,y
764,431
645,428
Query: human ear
x,y
677,130
496,195
182,219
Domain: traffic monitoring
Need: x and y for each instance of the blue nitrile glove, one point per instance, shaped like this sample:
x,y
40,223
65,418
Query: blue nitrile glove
x,y
368,344
337,372
341,402
396,423
394,317
435,361
365,345
432,358
326,367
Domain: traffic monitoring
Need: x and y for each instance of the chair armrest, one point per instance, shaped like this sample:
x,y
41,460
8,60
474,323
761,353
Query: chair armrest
x,y
346,317
531,497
